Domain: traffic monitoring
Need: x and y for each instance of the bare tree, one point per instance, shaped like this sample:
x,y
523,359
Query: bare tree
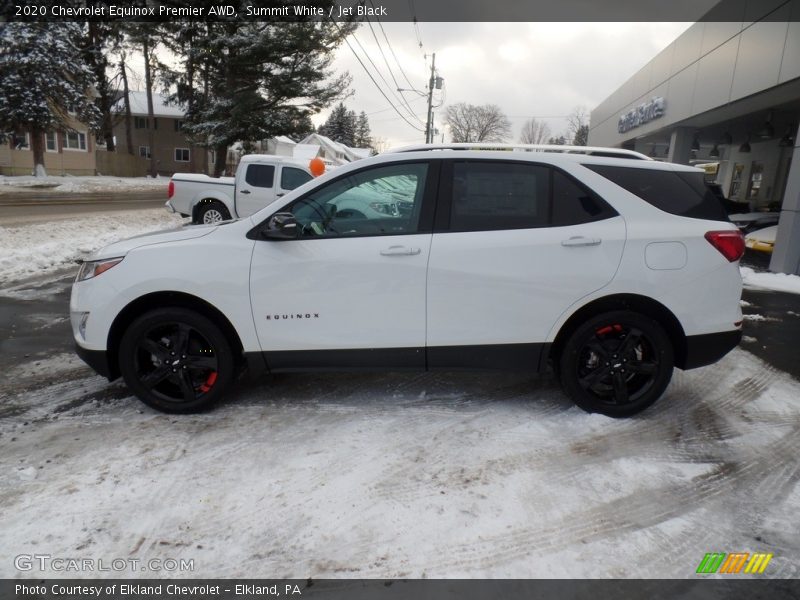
x,y
534,132
578,126
471,123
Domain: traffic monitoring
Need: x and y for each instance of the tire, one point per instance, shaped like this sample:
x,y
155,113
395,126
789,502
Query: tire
x,y
212,212
202,366
616,363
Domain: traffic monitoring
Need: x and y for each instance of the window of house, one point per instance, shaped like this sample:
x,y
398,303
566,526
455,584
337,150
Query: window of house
x,y
178,125
144,151
75,140
51,141
140,122
181,155
21,141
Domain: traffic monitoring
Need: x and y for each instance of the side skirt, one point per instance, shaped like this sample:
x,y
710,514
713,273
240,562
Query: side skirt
x,y
503,357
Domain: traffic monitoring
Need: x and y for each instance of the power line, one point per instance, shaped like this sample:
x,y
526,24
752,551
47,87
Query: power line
x,y
361,62
383,31
377,70
391,73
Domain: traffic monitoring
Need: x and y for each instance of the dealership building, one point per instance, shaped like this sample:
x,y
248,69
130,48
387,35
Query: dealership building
x,y
725,94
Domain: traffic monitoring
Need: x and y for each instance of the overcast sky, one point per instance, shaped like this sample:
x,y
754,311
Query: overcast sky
x,y
527,69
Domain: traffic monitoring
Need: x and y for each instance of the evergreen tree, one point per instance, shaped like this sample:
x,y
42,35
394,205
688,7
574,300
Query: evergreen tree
x,y
363,133
100,37
340,125
259,80
43,78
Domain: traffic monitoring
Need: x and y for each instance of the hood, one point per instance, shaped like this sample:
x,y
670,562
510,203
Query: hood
x,y
177,234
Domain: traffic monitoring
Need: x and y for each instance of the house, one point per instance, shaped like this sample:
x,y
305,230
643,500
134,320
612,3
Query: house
x,y
66,152
172,151
333,153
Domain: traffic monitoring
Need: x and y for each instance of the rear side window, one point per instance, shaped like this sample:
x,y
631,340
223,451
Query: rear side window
x,y
493,195
682,194
292,178
574,204
260,175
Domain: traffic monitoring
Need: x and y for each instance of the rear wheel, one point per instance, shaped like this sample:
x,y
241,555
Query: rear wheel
x,y
212,212
176,360
617,363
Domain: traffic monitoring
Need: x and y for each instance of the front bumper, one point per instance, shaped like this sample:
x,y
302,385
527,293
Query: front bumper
x,y
706,349
98,360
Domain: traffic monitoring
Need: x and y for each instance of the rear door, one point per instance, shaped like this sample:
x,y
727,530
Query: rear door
x,y
255,188
515,244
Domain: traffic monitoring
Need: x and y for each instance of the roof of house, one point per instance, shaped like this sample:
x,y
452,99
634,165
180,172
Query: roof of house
x,y
284,140
160,107
307,151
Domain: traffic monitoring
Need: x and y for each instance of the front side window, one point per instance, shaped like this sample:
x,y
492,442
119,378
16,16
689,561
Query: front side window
x,y
384,200
491,196
292,178
75,140
260,175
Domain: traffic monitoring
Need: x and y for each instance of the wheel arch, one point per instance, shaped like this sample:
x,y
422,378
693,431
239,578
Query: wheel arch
x,y
167,299
635,303
208,198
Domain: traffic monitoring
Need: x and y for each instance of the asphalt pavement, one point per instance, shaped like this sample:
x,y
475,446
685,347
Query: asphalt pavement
x,y
20,209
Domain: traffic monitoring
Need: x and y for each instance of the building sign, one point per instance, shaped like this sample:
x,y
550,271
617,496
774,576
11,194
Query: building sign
x,y
644,113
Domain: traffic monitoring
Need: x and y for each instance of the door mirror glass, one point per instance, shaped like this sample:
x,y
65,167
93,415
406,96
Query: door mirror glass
x,y
280,226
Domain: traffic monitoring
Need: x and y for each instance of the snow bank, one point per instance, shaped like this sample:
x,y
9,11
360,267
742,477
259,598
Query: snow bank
x,y
779,282
42,248
67,183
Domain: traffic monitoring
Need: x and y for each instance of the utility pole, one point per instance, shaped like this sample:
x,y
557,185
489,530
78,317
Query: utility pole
x,y
429,125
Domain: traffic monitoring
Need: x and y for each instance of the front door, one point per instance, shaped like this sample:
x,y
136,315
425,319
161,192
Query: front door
x,y
350,289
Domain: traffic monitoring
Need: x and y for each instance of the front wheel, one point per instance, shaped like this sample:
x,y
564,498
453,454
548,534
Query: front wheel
x,y
617,363
176,360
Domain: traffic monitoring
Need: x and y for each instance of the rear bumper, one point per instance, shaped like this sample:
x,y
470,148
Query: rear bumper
x,y
702,350
97,359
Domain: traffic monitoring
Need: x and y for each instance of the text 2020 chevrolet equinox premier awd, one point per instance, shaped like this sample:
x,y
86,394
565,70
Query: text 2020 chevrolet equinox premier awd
x,y
609,266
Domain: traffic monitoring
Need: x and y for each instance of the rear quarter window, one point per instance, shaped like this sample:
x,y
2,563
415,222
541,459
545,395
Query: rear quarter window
x,y
679,193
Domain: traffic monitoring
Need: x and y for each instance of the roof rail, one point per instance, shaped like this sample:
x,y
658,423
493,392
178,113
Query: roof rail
x,y
588,150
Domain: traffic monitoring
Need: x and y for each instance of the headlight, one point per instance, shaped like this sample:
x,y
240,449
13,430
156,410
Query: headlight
x,y
93,268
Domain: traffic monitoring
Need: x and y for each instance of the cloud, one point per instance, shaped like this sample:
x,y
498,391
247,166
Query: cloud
x,y
528,69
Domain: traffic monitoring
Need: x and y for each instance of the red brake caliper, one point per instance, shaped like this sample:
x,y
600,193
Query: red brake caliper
x,y
212,379
609,328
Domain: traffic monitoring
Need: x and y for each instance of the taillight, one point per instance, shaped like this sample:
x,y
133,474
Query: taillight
x,y
729,243
171,189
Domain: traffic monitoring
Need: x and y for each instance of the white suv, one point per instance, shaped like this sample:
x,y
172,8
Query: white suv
x,y
610,267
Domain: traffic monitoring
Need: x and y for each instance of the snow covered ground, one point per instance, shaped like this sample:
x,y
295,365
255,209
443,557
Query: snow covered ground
x,y
779,282
403,476
385,475
79,184
42,248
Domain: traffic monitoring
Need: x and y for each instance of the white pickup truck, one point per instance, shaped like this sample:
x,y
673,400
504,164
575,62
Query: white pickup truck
x,y
260,180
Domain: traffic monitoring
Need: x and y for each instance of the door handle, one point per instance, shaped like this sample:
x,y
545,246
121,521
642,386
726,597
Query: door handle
x,y
279,195
400,251
245,192
579,240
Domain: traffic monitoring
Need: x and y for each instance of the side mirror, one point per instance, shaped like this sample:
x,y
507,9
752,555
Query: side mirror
x,y
280,226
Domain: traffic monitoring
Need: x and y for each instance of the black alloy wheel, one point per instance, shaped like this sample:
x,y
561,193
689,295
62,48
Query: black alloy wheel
x,y
176,360
617,363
